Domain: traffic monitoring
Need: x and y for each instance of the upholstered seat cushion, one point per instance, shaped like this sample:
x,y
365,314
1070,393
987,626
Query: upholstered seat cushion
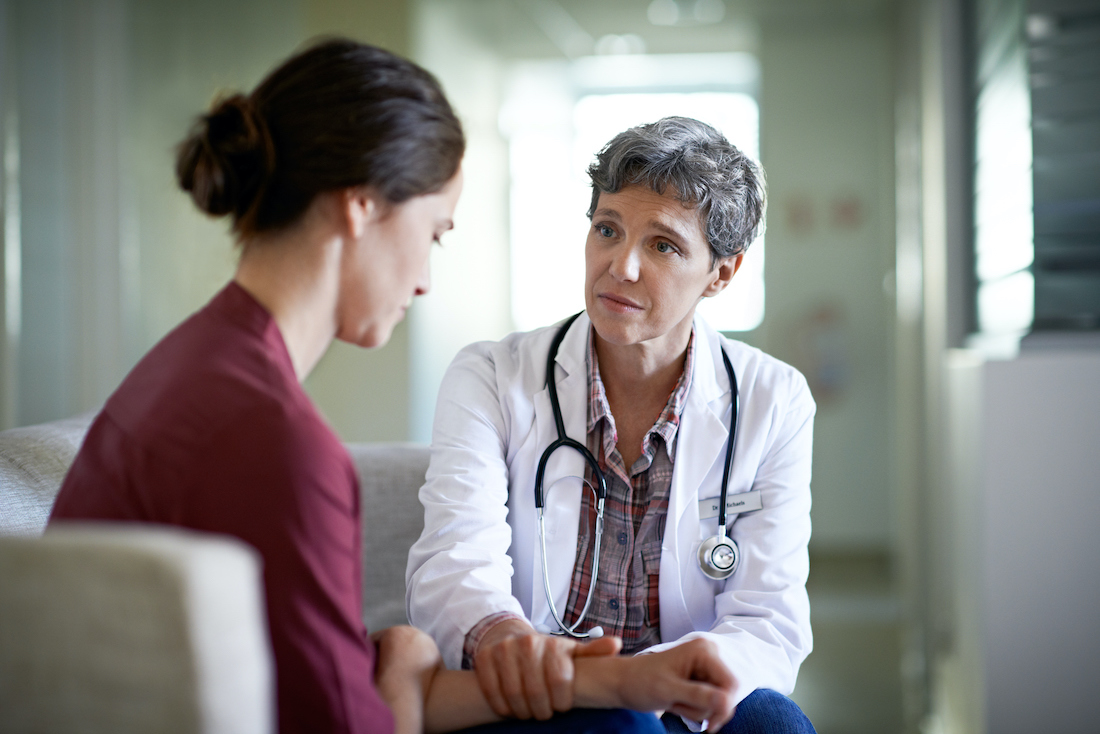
x,y
33,462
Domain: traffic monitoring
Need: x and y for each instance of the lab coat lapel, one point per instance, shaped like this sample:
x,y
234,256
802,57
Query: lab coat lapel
x,y
700,447
562,504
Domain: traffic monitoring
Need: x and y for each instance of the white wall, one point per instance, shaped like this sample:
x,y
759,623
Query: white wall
x,y
65,233
827,145
113,254
470,295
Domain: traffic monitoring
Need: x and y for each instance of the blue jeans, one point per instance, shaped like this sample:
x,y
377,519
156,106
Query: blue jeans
x,y
763,712
579,721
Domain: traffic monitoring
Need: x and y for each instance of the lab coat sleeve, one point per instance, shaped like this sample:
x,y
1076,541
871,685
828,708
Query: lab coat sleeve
x,y
762,613
459,571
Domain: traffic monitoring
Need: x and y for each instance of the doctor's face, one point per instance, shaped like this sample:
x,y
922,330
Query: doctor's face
x,y
647,265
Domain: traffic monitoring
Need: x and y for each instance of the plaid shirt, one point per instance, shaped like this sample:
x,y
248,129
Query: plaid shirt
x,y
625,602
634,523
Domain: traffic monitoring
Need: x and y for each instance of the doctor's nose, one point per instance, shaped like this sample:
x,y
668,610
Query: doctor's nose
x,y
625,263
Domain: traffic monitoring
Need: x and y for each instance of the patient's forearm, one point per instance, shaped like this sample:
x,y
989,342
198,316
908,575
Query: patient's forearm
x,y
455,701
689,680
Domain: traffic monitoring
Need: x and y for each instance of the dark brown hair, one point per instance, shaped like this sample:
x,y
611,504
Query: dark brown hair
x,y
336,115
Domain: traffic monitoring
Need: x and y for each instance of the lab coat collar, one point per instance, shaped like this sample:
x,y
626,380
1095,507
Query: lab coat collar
x,y
704,428
699,449
574,349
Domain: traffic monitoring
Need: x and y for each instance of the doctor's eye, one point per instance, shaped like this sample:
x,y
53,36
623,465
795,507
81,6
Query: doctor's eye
x,y
663,246
604,230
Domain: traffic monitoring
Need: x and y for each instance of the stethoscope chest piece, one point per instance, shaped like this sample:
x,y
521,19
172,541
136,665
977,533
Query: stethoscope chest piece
x,y
719,557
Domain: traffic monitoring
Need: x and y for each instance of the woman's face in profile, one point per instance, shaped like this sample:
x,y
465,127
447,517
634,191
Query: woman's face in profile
x,y
384,269
647,264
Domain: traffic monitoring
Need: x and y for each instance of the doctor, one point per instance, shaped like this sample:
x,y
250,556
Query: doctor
x,y
643,384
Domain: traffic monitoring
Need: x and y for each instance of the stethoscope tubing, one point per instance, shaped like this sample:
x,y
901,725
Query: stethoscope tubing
x,y
559,424
734,404
563,441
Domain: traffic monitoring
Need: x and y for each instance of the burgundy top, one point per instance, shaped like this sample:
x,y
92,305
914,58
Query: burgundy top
x,y
212,431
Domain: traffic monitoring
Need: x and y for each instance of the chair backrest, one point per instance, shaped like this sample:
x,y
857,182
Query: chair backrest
x,y
390,477
131,628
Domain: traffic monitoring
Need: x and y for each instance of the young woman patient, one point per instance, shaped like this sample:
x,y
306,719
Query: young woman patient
x,y
338,173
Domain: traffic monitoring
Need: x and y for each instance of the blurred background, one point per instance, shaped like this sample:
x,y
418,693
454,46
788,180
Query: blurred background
x,y
931,264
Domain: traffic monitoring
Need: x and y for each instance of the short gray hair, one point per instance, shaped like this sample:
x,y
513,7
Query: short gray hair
x,y
701,167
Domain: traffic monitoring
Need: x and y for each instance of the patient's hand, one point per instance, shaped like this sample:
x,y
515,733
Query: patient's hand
x,y
407,661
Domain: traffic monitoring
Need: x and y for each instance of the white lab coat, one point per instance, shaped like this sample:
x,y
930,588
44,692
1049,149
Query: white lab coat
x,y
478,553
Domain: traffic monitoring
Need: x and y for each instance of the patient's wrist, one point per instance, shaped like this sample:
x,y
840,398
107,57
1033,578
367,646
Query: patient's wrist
x,y
598,681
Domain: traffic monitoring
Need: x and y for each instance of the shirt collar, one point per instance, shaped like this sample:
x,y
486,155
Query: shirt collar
x,y
667,423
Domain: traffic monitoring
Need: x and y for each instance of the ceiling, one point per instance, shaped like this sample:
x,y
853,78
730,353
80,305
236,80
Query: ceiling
x,y
519,29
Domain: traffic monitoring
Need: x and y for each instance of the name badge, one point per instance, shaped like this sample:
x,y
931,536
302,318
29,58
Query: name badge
x,y
735,503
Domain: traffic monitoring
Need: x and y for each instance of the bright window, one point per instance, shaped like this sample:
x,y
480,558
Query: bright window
x,y
554,132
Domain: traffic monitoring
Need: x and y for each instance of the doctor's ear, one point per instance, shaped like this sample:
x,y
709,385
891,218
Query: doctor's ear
x,y
360,207
723,273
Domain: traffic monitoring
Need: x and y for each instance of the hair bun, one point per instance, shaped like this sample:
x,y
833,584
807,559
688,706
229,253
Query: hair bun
x,y
227,159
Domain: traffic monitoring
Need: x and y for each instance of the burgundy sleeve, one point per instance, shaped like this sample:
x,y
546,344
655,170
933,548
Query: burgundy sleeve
x,y
283,483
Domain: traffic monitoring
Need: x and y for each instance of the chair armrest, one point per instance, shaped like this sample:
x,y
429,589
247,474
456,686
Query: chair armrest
x,y
133,628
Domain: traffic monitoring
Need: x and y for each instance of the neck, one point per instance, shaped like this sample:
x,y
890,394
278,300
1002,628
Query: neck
x,y
645,368
294,274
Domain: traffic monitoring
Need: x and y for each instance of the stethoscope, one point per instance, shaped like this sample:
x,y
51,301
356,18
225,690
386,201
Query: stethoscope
x,y
718,555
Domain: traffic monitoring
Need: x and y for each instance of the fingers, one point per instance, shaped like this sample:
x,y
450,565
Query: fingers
x,y
560,673
531,663
689,713
510,667
700,701
549,679
704,686
527,676
707,666
599,647
489,682
716,723
558,666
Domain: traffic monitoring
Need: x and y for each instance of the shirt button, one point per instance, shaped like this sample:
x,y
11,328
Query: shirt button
x,y
614,603
622,538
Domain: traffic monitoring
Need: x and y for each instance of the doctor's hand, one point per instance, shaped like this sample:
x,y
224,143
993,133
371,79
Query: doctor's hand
x,y
526,674
689,680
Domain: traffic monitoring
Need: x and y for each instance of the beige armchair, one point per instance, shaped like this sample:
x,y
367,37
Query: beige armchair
x,y
127,628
